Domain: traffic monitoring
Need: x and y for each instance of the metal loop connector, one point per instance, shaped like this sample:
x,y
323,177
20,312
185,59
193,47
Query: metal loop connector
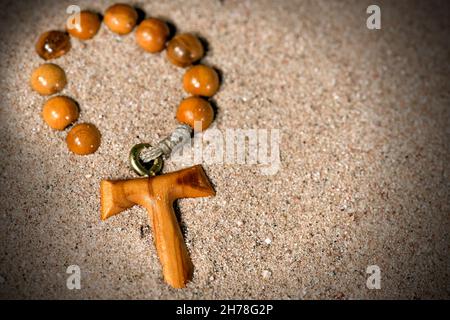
x,y
145,169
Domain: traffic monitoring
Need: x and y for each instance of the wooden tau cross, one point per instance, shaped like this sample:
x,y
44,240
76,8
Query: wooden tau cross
x,y
157,195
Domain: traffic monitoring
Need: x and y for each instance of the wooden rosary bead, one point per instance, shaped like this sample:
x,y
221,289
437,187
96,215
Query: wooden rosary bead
x,y
88,26
184,49
152,35
201,81
121,18
53,44
83,138
59,112
195,109
48,79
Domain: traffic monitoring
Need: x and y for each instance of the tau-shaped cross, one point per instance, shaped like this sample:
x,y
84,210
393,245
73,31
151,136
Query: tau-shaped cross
x,y
157,195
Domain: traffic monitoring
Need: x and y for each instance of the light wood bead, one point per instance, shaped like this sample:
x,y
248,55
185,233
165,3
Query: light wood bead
x,y
83,139
88,26
59,112
201,81
184,49
195,109
48,79
121,18
151,35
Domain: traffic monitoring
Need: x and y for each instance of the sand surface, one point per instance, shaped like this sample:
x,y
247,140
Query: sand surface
x,y
364,178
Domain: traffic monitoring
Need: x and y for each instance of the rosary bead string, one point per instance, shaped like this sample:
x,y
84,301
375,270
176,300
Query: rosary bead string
x,y
183,50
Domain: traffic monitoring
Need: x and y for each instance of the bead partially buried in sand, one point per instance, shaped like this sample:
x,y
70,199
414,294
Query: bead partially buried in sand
x,y
53,44
88,26
201,81
120,18
48,79
59,112
151,35
83,139
184,49
194,109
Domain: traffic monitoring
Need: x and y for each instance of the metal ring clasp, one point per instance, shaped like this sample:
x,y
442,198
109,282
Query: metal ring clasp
x,y
148,169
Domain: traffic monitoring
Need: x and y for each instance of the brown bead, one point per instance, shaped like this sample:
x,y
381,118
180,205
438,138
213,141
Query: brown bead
x,y
88,26
48,79
184,49
121,18
83,138
195,109
201,81
152,35
59,112
53,44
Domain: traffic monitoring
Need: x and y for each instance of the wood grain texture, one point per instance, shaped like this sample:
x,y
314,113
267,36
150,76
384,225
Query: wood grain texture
x,y
157,195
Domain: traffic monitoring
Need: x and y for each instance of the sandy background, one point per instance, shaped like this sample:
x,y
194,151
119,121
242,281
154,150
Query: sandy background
x,y
364,118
